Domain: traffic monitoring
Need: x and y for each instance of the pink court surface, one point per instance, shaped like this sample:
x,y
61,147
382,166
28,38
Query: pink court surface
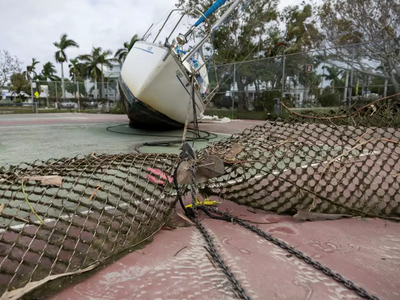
x,y
175,265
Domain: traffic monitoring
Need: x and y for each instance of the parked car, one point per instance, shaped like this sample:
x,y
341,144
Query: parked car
x,y
67,104
89,103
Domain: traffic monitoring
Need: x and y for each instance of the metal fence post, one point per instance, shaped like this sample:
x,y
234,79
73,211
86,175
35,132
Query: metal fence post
x,y
233,92
351,76
345,87
283,80
31,91
385,88
79,96
55,83
108,100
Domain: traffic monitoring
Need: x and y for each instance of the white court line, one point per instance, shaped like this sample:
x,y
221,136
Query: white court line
x,y
224,134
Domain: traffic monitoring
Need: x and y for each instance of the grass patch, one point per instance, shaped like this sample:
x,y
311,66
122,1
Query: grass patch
x,y
238,114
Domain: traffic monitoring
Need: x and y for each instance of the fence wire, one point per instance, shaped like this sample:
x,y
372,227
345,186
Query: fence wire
x,y
103,205
65,215
330,77
342,162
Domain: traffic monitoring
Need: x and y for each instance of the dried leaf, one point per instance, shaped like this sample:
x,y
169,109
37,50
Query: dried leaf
x,y
183,175
231,155
183,217
310,216
2,207
211,167
94,193
47,180
18,293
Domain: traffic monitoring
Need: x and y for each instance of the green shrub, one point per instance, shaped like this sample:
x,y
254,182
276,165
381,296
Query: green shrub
x,y
265,101
328,99
118,109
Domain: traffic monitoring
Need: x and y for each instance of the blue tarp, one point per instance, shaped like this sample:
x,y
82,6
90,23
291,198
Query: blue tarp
x,y
210,11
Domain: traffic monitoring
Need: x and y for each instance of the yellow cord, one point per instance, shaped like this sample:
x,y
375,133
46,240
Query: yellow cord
x,y
205,202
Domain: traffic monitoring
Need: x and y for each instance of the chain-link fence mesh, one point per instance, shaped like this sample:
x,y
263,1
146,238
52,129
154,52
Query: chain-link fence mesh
x,y
323,79
81,95
81,212
339,162
339,159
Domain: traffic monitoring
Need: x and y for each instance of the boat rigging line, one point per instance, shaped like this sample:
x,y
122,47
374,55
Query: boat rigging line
x,y
201,135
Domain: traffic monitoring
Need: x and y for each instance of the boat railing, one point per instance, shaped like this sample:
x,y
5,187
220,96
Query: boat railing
x,y
191,30
166,20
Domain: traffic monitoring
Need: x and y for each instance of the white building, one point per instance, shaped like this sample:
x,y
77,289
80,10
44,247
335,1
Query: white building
x,y
111,76
297,93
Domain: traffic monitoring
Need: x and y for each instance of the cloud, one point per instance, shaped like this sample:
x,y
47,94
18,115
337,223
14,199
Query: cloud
x,y
30,27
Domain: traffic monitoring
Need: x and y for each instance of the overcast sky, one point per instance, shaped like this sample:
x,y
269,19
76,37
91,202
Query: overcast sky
x,y
29,27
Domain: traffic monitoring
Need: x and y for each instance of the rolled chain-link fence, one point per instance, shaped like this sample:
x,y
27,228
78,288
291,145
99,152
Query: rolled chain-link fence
x,y
343,162
63,217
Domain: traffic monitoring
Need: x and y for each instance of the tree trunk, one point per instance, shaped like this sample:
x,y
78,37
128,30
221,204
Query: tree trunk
x,y
75,82
241,92
62,81
31,91
395,83
102,82
95,87
305,95
345,89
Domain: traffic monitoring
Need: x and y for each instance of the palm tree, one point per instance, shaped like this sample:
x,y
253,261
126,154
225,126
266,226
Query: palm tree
x,y
90,66
333,75
105,60
98,57
75,69
61,57
28,73
48,71
31,69
123,52
76,72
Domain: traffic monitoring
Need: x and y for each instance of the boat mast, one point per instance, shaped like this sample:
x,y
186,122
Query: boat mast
x,y
182,38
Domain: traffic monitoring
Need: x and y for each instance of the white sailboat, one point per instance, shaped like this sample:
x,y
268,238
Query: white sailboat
x,y
159,83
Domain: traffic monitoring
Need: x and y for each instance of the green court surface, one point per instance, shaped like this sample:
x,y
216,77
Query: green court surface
x,y
28,143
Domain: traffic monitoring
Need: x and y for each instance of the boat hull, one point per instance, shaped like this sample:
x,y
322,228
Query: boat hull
x,y
142,115
156,89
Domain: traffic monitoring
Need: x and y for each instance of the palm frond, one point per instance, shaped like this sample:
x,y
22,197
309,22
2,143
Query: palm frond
x,y
85,58
107,53
70,43
120,53
134,39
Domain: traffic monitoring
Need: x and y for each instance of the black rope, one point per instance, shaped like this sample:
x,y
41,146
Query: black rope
x,y
196,137
206,137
